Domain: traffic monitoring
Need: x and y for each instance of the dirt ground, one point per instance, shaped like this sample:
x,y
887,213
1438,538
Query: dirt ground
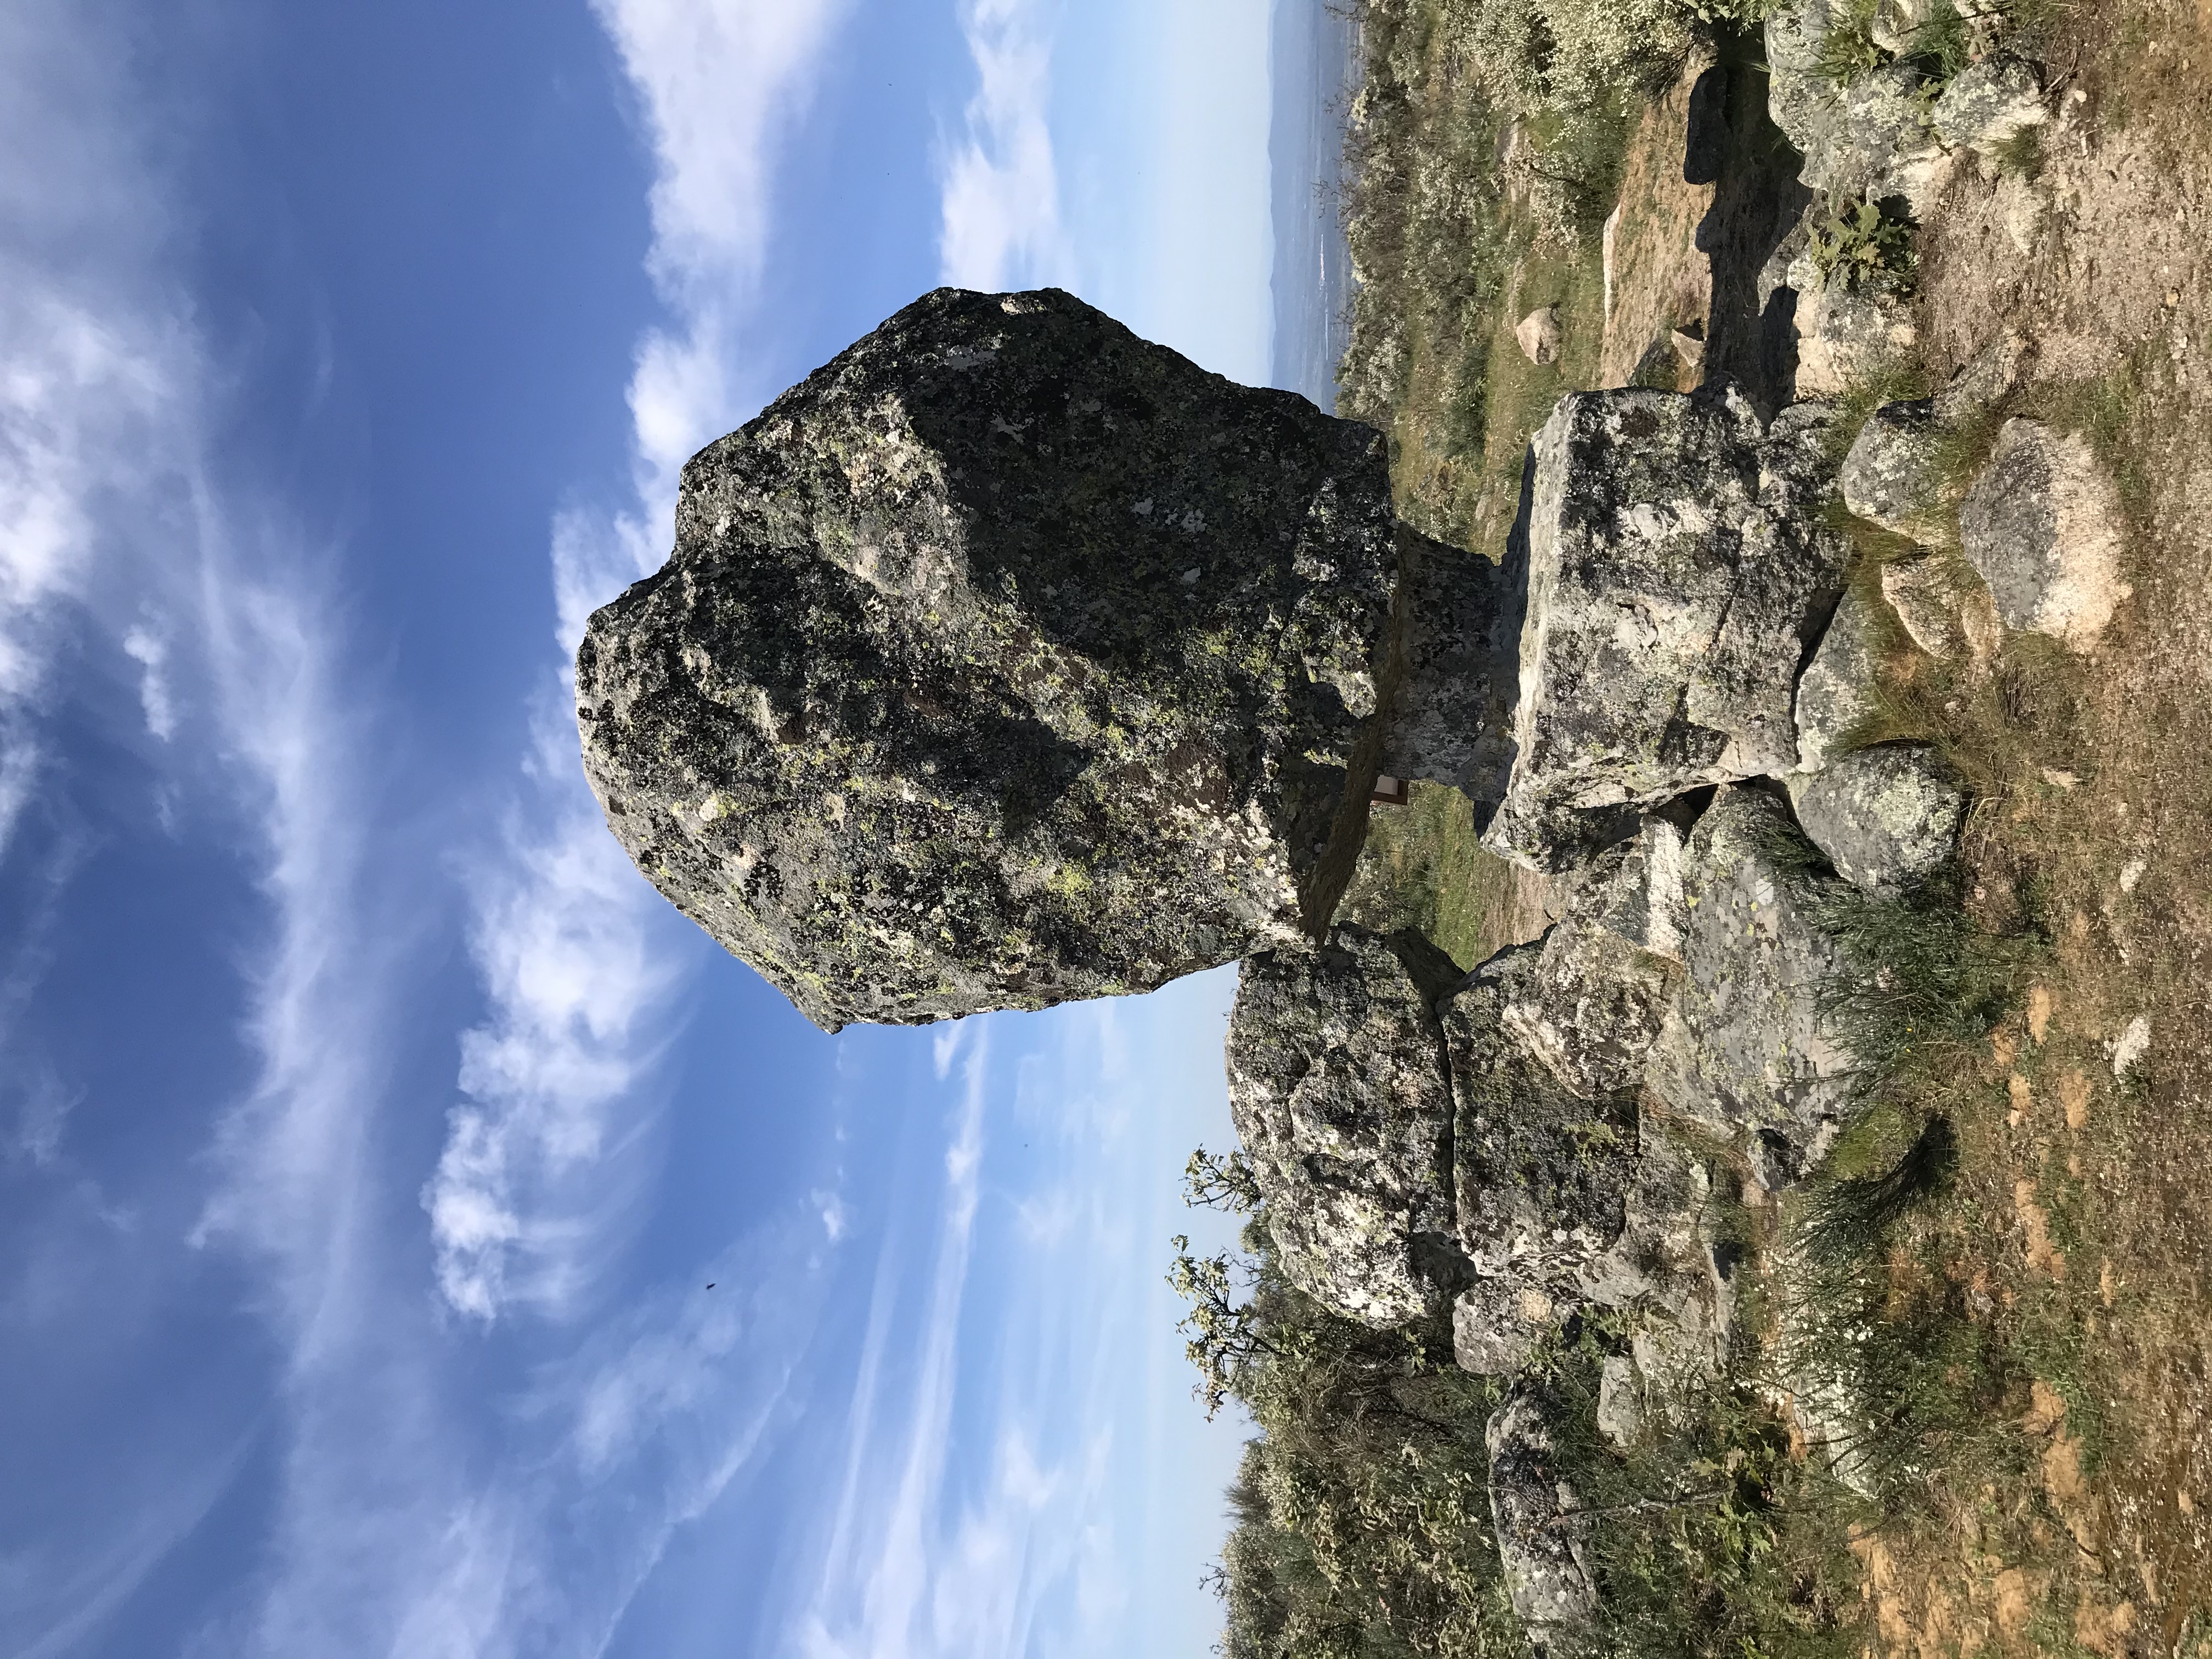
x,y
2097,1174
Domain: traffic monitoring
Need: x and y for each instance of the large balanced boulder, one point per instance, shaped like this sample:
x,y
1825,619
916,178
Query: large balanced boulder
x,y
1680,572
1750,1049
1006,659
2043,525
1338,1087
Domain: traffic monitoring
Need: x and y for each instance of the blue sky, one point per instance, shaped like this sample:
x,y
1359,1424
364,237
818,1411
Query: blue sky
x,y
370,1132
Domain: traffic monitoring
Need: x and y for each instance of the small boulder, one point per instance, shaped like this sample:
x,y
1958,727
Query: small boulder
x,y
1887,816
1007,659
2042,525
1338,1086
1836,693
1620,1402
1944,608
1989,103
1690,348
1889,475
1538,335
1679,572
1541,1530
1747,1050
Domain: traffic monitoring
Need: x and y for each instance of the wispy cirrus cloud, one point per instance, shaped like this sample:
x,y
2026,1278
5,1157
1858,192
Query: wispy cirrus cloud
x,y
999,183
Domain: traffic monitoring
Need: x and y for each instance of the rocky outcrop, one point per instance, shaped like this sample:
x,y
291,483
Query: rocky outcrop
x,y
1540,1530
1747,1049
1006,659
1873,137
1888,817
1679,575
1836,693
1338,1085
2043,525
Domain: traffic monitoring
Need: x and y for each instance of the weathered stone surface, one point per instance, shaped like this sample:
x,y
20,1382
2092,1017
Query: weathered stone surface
x,y
1540,1529
1889,476
1679,573
1541,1173
1456,640
1989,103
1008,659
1621,1402
1338,1086
1874,136
1634,892
1835,694
1945,609
1590,1012
1846,338
2043,526
1983,379
1886,817
1538,336
1746,1047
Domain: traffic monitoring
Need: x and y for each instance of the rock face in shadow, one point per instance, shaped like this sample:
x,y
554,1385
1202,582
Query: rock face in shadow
x,y
1338,1086
1540,1527
1008,659
1456,664
1680,575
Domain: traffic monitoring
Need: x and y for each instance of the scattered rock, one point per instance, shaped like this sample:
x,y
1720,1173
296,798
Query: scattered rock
x,y
1338,1085
1620,1402
1457,643
919,719
1984,380
2130,1047
1944,609
1990,103
1679,572
1887,816
2042,526
1835,694
1690,348
1889,475
1746,1046
1540,1531
2133,874
1538,334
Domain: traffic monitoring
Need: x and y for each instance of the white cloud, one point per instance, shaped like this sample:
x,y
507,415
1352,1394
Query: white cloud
x,y
150,651
718,81
999,183
576,980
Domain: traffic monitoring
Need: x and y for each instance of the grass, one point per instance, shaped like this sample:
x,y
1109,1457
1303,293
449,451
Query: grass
x,y
1425,867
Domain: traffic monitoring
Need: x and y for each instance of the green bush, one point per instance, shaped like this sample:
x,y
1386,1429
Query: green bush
x,y
1865,243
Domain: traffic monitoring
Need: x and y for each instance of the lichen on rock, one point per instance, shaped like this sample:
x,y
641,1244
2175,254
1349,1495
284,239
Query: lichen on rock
x,y
1008,659
1679,575
1338,1086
